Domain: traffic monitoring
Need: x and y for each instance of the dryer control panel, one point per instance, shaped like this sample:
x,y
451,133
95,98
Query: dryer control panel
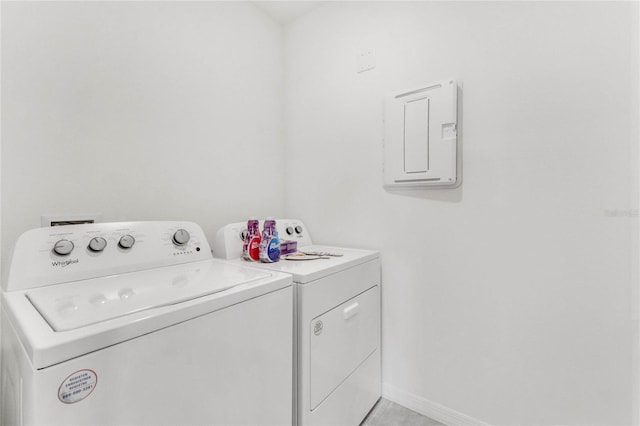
x,y
229,238
46,256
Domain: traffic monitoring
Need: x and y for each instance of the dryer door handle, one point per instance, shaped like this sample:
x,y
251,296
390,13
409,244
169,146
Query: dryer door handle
x,y
351,310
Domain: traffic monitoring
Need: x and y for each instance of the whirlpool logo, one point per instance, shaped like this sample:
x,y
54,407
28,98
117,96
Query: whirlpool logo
x,y
64,263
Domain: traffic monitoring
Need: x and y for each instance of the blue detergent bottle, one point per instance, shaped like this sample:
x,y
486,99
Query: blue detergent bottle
x,y
270,243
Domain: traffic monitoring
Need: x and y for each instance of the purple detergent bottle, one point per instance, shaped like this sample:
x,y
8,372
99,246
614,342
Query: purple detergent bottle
x,y
251,245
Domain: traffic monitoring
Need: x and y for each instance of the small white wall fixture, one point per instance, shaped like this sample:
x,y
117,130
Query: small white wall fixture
x,y
421,137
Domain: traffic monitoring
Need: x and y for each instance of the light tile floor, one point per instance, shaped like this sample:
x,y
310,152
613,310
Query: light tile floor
x,y
387,413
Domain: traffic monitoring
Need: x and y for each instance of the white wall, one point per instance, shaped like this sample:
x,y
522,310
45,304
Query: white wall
x,y
140,111
511,298
635,135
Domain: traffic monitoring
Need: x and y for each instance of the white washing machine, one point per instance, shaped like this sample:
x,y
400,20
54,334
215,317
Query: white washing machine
x,y
337,371
135,323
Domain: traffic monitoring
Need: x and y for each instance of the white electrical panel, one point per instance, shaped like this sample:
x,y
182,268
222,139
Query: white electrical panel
x,y
421,137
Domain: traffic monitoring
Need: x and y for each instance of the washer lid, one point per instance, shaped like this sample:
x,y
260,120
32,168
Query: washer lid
x,y
70,306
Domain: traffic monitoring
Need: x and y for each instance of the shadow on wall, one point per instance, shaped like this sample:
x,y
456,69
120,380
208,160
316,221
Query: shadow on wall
x,y
443,194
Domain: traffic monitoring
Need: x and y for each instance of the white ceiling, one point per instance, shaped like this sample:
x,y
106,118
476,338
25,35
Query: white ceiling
x,y
286,11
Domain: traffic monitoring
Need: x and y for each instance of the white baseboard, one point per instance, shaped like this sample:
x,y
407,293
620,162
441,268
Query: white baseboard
x,y
428,408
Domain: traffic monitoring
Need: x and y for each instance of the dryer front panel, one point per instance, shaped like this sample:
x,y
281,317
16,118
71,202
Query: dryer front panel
x,y
340,341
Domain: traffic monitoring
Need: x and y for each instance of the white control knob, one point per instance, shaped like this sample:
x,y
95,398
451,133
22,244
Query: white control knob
x,y
181,237
126,241
97,244
63,247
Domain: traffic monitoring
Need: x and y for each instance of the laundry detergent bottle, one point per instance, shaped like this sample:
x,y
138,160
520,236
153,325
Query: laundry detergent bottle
x,y
270,244
251,245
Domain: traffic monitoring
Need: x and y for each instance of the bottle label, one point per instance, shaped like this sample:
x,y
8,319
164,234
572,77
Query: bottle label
x,y
270,250
273,252
254,248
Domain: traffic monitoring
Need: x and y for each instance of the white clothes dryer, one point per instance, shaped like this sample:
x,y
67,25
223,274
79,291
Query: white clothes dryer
x,y
135,323
337,325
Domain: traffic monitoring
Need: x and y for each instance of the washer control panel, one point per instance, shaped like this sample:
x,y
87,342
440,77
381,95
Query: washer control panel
x,y
46,256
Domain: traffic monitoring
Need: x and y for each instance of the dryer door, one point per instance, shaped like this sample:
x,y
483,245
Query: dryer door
x,y
340,341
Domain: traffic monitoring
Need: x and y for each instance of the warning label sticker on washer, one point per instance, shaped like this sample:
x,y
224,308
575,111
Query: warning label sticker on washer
x,y
77,386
